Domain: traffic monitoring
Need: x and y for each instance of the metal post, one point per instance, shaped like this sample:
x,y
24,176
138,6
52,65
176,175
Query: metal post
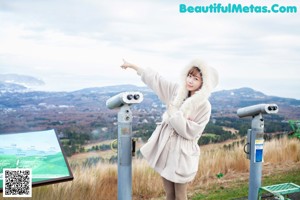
x,y
256,156
256,141
123,101
124,153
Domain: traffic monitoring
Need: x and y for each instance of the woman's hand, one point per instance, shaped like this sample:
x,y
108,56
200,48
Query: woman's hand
x,y
171,110
129,65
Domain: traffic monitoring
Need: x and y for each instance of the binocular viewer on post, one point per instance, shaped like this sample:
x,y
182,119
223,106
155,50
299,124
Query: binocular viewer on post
x,y
126,146
257,109
255,143
124,98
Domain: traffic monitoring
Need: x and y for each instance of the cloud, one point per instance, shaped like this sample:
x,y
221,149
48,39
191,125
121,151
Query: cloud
x,y
82,43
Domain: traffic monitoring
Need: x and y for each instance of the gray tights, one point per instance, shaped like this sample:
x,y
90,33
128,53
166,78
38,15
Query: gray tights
x,y
175,191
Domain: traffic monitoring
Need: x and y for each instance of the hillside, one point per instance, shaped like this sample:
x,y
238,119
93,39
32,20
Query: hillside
x,y
100,179
230,100
85,111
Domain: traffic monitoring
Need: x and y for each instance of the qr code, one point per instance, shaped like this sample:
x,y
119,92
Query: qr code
x,y
17,182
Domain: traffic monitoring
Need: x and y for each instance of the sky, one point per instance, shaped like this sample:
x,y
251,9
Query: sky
x,y
75,44
39,140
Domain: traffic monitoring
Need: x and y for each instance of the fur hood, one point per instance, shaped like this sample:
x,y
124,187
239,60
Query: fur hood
x,y
210,81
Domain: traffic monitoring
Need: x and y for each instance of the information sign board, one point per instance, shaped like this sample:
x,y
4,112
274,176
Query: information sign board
x,y
39,151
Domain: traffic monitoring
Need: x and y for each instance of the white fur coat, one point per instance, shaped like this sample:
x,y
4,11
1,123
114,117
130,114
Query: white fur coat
x,y
172,149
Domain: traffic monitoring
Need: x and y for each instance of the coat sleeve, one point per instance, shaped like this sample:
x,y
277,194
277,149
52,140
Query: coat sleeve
x,y
187,128
163,89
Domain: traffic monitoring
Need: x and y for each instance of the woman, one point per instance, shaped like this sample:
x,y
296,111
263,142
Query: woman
x,y
172,150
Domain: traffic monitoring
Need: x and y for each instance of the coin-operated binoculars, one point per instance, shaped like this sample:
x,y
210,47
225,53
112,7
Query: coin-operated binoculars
x,y
255,143
123,101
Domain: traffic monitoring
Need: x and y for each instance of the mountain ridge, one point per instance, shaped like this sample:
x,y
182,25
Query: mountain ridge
x,y
220,100
23,80
85,110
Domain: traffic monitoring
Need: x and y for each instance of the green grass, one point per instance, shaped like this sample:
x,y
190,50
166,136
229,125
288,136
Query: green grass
x,y
239,189
211,135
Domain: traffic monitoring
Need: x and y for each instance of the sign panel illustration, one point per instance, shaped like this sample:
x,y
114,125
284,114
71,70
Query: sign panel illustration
x,y
39,151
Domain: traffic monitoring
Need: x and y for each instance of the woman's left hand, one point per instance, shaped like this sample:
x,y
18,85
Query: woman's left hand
x,y
171,110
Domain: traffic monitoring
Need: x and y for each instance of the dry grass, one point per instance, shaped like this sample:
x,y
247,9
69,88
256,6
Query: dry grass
x,y
283,150
146,183
100,181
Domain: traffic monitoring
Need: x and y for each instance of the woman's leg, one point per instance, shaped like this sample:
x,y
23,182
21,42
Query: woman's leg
x,y
169,189
181,191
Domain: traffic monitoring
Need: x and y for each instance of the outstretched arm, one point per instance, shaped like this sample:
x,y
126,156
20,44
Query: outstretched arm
x,y
164,89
